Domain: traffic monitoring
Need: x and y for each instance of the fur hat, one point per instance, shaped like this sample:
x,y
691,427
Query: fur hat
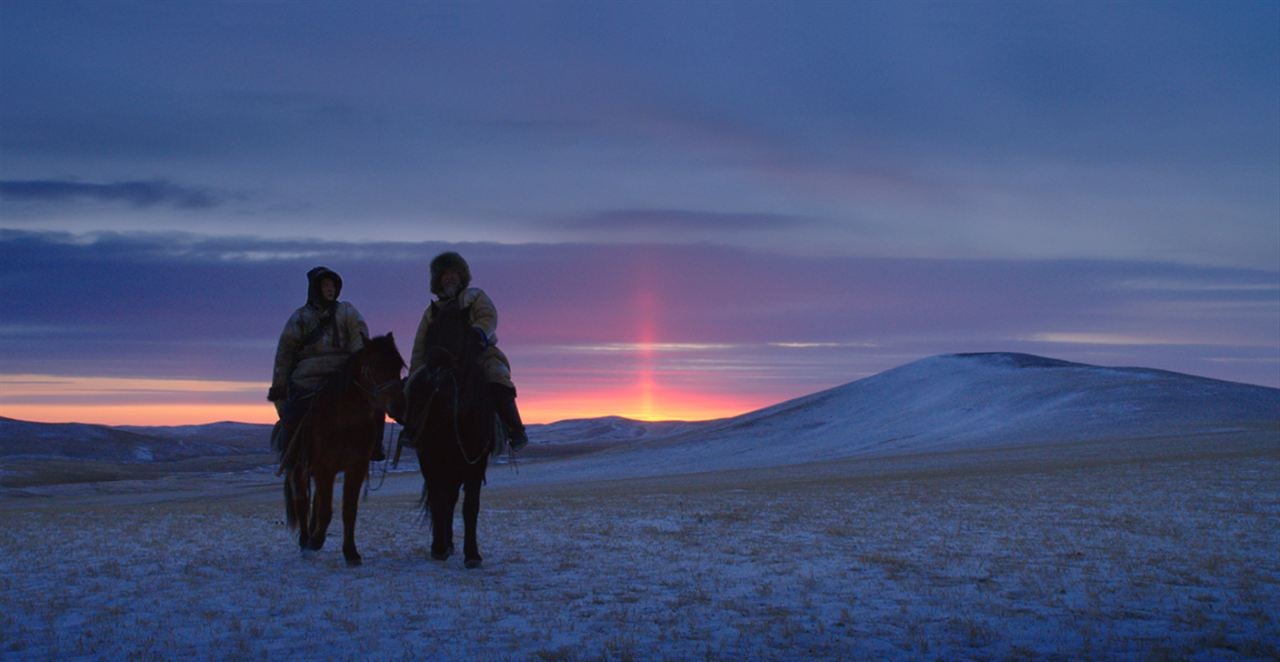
x,y
448,261
313,284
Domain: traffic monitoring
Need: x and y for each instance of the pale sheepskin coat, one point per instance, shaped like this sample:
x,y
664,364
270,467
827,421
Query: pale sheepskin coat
x,y
484,316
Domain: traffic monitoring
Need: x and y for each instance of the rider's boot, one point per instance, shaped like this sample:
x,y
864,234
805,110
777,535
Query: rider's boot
x,y
504,402
281,435
282,442
406,437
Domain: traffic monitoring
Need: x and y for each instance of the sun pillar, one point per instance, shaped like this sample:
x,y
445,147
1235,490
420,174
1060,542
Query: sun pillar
x,y
648,406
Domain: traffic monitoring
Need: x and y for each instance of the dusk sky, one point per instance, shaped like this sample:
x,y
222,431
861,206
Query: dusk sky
x,y
682,210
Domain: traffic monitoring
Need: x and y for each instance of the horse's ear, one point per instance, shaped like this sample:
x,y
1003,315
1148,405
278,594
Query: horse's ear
x,y
391,336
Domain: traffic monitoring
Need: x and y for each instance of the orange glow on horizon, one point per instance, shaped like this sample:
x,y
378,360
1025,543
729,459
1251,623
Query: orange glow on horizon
x,y
646,403
89,386
132,400
155,402
142,414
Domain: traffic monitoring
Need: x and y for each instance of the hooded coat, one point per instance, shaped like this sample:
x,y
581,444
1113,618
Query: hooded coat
x,y
484,318
317,339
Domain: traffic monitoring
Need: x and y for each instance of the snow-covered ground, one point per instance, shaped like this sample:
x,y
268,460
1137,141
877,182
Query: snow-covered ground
x,y
1110,549
956,508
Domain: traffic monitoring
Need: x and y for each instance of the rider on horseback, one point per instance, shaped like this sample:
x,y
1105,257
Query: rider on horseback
x,y
315,344
450,277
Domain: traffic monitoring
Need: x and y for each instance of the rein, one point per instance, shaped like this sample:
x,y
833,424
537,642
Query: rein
x,y
457,435
435,376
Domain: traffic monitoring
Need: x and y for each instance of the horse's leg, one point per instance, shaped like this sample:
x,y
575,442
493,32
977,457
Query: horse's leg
x,y
470,516
351,484
298,489
322,508
442,495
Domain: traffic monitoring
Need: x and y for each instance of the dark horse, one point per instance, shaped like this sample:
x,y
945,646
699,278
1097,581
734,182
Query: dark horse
x,y
452,411
339,433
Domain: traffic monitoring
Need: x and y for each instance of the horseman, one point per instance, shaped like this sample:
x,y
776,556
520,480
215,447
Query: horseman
x,y
316,343
450,281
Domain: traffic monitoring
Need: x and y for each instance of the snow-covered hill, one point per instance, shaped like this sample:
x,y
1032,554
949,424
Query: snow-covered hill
x,y
22,439
607,429
249,437
954,402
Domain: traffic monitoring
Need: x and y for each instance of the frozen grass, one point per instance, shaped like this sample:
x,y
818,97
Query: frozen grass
x,y
1024,554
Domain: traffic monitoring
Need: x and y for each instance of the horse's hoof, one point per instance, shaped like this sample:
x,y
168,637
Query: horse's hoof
x,y
308,553
441,556
354,561
472,564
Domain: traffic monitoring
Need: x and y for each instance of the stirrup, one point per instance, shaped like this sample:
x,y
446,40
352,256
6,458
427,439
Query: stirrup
x,y
518,439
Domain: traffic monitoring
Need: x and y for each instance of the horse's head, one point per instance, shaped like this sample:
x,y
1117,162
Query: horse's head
x,y
379,374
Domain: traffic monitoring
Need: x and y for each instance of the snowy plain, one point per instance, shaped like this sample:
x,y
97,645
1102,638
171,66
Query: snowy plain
x,y
1141,522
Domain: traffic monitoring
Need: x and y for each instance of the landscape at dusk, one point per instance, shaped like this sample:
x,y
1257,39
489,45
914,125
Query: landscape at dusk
x,y
854,329
773,201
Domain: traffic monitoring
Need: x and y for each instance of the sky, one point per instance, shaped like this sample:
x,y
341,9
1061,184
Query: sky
x,y
682,210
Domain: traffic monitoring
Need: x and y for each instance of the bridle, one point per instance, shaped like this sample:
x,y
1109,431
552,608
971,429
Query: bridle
x,y
373,391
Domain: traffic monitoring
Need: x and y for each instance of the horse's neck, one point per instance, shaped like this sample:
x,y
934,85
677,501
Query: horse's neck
x,y
449,330
345,387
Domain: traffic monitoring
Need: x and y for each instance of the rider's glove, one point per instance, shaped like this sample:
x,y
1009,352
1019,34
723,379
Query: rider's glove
x,y
479,342
276,394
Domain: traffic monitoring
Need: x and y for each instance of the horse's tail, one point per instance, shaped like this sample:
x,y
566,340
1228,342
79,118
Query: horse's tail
x,y
290,509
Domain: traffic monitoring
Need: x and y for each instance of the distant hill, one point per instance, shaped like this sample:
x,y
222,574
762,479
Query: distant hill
x,y
606,429
963,400
99,442
249,437
956,402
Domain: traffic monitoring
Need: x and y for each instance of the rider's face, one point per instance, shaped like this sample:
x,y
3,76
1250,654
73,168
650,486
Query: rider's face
x,y
451,281
328,289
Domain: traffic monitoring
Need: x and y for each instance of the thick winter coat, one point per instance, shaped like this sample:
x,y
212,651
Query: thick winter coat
x,y
318,338
484,317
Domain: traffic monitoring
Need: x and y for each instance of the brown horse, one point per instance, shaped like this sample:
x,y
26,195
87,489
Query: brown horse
x,y
338,434
451,409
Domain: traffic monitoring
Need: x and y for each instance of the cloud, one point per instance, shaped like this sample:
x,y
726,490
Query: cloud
x,y
1086,338
684,219
194,307
139,194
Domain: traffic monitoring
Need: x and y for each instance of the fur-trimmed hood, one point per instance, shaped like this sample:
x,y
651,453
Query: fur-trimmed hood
x,y
445,262
313,285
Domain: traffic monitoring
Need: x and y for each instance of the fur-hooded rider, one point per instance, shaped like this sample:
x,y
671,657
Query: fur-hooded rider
x,y
451,284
